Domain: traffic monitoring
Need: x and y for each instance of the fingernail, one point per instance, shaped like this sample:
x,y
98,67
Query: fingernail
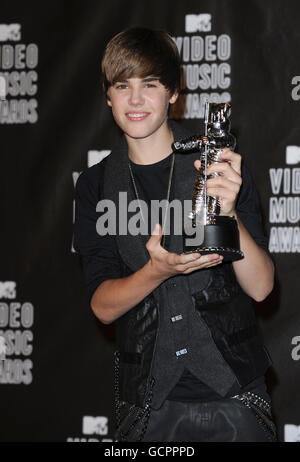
x,y
196,255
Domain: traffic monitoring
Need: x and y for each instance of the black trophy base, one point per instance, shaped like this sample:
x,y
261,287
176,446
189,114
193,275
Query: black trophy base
x,y
221,237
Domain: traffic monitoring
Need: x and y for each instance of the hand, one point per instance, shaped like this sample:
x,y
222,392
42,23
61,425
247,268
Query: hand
x,y
226,186
165,264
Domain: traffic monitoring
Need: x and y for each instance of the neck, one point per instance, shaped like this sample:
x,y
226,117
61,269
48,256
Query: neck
x,y
152,149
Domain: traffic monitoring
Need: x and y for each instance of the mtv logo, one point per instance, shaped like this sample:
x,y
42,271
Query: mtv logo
x,y
292,433
94,425
292,155
2,88
94,157
8,289
198,22
2,348
10,32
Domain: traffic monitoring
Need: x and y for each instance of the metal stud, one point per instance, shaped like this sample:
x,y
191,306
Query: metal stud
x,y
181,352
176,318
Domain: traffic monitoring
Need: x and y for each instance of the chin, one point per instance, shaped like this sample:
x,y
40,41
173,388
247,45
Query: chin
x,y
142,130
139,133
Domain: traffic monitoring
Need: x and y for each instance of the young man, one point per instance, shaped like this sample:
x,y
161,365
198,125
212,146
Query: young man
x,y
190,361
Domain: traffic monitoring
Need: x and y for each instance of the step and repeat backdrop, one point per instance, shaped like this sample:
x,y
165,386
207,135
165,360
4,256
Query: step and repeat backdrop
x,y
56,359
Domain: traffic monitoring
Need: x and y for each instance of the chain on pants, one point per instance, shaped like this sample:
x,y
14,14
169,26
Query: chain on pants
x,y
246,417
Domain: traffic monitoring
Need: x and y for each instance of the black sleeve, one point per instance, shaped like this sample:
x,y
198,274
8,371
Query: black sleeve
x,y
100,257
248,209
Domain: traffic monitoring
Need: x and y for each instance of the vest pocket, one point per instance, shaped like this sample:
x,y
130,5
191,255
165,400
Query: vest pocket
x,y
237,336
246,356
242,335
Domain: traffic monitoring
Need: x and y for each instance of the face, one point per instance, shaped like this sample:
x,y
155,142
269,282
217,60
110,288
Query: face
x,y
140,106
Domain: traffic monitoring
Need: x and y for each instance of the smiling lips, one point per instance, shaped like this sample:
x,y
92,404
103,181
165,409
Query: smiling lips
x,y
137,116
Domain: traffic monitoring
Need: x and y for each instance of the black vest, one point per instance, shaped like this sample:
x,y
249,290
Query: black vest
x,y
202,321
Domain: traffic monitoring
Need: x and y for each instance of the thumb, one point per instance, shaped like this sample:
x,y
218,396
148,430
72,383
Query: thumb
x,y
157,232
155,239
197,164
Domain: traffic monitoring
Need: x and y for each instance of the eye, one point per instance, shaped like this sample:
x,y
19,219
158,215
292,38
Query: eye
x,y
121,86
151,83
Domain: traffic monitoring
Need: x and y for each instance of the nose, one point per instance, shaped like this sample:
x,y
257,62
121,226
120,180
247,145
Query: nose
x,y
136,97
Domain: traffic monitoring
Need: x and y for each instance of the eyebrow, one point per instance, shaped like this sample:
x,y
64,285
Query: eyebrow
x,y
147,79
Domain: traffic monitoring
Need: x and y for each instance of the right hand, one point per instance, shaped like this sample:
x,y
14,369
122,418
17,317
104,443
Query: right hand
x,y
165,264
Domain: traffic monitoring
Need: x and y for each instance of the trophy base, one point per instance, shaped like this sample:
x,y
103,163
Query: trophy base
x,y
221,237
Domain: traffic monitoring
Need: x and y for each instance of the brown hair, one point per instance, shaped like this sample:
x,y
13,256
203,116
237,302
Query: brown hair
x,y
141,52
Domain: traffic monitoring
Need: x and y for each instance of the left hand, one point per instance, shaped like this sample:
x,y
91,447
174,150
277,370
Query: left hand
x,y
228,184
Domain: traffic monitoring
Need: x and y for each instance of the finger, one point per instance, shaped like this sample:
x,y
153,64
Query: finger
x,y
155,238
197,164
203,265
205,260
187,261
225,169
183,259
222,182
234,158
156,230
222,193
207,265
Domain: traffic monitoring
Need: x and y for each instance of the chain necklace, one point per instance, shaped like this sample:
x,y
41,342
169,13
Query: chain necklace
x,y
167,199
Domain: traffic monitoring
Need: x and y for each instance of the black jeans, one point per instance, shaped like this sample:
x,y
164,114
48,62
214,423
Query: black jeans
x,y
246,417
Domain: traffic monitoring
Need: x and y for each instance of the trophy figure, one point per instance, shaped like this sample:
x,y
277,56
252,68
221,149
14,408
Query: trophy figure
x,y
205,230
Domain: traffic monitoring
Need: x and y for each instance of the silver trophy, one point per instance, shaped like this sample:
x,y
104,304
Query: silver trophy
x,y
205,230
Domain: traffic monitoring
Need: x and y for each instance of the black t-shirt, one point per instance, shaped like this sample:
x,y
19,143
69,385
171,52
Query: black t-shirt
x,y
101,260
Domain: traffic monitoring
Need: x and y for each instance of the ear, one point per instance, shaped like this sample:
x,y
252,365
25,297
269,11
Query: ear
x,y
108,101
173,98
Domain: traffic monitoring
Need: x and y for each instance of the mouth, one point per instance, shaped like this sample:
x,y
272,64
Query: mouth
x,y
137,116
